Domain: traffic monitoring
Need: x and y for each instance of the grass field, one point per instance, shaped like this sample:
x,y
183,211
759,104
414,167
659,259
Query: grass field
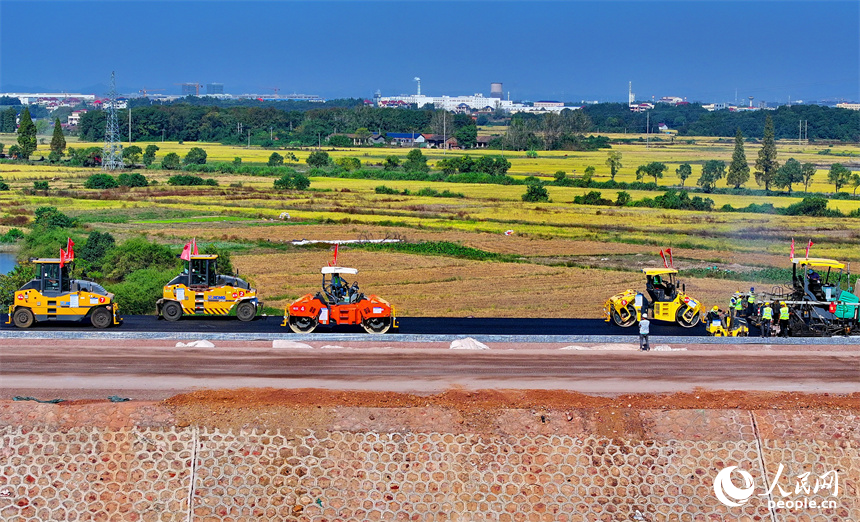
x,y
560,260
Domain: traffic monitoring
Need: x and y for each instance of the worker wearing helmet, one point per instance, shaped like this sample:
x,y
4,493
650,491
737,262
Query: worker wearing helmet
x,y
738,307
783,319
766,319
750,303
714,314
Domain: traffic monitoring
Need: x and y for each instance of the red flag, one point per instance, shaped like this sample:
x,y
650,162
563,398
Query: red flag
x,y
808,247
70,250
62,257
335,254
671,261
791,256
194,247
186,252
663,255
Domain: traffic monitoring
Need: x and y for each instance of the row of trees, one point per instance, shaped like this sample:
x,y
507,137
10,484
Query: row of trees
x,y
824,123
769,173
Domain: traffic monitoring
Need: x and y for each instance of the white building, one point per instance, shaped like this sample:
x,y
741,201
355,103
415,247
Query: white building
x,y
44,98
476,102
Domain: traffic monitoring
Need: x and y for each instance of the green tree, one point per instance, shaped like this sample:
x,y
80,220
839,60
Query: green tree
x,y
391,163
855,182
766,165
589,173
318,159
58,141
26,134
134,179
416,162
136,254
171,161
838,175
613,161
788,174
275,160
348,164
652,170
131,154
363,134
15,151
739,170
712,171
149,154
195,156
808,171
301,182
50,217
96,246
101,181
559,176
535,192
467,136
623,199
684,171
2,146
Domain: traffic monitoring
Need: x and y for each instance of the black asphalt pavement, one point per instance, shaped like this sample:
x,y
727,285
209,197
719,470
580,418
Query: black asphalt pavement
x,y
408,325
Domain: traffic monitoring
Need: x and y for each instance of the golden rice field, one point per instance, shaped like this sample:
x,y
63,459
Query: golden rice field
x,y
547,162
573,256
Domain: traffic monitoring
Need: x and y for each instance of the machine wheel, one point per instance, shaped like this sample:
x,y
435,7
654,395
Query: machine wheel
x,y
101,318
683,321
246,311
303,324
616,317
376,325
171,311
23,318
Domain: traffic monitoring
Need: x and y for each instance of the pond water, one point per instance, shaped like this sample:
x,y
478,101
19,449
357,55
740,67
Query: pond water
x,y
7,262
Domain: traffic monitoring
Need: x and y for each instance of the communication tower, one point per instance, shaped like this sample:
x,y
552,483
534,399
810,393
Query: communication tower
x,y
112,155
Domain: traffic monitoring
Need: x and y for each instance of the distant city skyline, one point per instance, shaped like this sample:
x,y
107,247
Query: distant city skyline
x,y
567,51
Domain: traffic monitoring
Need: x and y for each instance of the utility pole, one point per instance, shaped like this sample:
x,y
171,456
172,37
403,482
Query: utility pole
x,y
444,131
249,138
129,124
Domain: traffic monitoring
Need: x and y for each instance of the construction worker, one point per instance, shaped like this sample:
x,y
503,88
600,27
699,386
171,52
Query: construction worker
x,y
732,302
739,307
751,303
644,331
783,319
766,318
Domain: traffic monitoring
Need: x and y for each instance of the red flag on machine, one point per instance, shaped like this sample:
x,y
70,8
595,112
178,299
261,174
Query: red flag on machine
x,y
663,255
189,250
671,261
62,257
334,263
70,250
791,256
808,246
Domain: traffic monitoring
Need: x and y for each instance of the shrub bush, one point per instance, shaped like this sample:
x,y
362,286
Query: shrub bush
x,y
132,180
101,181
190,180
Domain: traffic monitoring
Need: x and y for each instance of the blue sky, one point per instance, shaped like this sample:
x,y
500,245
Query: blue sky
x,y
571,51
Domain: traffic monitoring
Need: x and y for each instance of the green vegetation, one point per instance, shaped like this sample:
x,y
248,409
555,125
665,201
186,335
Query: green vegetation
x,y
187,180
101,181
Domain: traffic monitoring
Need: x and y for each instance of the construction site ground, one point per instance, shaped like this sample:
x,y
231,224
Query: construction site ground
x,y
502,454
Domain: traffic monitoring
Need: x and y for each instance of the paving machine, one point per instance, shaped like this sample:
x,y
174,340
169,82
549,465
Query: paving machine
x,y
817,301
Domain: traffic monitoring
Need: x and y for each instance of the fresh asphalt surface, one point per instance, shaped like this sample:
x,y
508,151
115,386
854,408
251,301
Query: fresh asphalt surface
x,y
408,325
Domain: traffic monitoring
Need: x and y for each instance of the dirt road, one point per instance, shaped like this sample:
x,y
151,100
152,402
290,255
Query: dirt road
x,y
155,370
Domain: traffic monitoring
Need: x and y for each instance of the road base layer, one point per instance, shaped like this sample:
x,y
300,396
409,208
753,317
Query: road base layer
x,y
506,455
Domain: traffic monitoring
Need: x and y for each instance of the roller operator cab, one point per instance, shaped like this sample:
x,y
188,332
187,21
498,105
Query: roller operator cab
x,y
665,298
201,290
339,303
52,295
